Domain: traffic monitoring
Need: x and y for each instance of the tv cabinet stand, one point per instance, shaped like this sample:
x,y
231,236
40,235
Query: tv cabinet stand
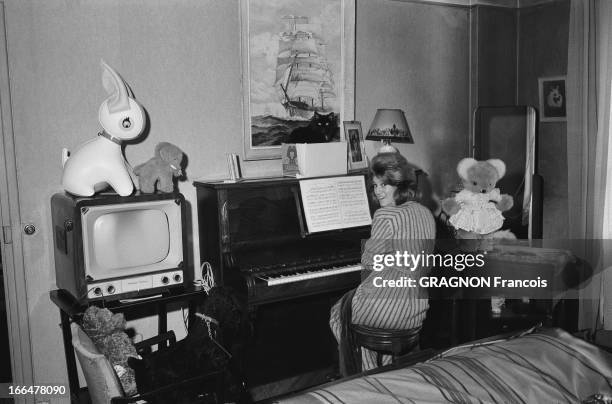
x,y
72,311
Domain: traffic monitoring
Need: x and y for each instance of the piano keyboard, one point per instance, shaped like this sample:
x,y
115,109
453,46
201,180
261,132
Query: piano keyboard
x,y
305,275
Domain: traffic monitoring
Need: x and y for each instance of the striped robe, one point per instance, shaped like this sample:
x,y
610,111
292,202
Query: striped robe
x,y
406,228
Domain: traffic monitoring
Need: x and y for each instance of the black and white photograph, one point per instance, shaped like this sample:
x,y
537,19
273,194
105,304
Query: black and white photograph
x,y
305,201
354,141
553,100
357,158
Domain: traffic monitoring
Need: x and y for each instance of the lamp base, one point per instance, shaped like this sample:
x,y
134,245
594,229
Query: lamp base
x,y
387,148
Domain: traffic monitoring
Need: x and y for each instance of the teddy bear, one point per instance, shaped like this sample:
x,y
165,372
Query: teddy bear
x,y
107,331
161,169
476,211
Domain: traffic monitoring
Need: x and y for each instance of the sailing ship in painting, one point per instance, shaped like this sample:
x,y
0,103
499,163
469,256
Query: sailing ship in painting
x,y
304,84
303,79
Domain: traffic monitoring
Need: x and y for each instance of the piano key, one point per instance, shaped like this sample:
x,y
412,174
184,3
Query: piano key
x,y
296,277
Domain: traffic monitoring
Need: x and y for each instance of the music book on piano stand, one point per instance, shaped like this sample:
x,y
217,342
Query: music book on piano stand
x,y
335,203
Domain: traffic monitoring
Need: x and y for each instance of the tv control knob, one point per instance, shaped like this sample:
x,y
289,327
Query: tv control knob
x,y
98,291
165,280
110,289
178,278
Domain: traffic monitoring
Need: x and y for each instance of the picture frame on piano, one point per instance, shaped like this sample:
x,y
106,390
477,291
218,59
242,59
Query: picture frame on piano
x,y
274,35
357,158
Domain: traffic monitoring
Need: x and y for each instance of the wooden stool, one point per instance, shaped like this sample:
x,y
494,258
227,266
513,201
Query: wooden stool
x,y
393,342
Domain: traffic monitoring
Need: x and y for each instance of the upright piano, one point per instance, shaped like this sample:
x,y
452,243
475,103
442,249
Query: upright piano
x,y
254,235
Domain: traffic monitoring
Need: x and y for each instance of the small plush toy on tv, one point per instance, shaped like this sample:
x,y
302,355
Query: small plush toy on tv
x,y
476,211
100,162
107,331
161,169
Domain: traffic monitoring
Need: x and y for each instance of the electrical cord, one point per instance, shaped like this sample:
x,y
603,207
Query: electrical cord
x,y
208,278
185,320
206,282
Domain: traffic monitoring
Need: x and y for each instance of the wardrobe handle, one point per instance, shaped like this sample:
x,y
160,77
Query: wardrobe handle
x,y
29,229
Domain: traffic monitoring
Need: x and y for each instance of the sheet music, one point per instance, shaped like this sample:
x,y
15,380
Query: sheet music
x,y
335,203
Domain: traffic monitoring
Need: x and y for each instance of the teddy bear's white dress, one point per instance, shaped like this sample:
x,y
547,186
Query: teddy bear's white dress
x,y
477,212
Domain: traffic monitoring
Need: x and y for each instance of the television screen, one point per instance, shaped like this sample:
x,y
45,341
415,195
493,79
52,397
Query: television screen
x,y
129,239
136,237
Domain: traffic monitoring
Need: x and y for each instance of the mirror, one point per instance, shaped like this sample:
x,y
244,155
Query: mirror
x,y
509,134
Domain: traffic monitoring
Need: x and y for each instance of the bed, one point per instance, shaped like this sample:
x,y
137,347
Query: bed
x,y
541,366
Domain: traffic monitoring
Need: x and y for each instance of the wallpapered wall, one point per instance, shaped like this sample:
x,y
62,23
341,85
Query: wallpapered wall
x,y
182,59
543,40
416,57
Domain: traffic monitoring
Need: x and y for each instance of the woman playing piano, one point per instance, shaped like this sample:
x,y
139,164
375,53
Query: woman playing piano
x,y
400,224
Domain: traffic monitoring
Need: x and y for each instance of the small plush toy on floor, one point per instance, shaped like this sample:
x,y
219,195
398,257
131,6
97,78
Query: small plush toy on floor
x,y
476,211
107,331
161,169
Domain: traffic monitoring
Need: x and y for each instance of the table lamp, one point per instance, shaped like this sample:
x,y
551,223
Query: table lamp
x,y
389,125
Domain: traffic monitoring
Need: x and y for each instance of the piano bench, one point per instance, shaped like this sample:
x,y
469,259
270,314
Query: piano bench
x,y
391,342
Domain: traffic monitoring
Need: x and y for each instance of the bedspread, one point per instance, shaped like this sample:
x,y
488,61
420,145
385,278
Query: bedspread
x,y
546,366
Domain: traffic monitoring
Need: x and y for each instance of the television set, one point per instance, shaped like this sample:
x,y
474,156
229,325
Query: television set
x,y
109,247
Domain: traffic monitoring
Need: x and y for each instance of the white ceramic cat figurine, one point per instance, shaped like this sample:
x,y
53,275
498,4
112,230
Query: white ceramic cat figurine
x,y
99,162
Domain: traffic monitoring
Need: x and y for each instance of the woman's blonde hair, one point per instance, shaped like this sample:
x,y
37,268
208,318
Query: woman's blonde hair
x,y
393,169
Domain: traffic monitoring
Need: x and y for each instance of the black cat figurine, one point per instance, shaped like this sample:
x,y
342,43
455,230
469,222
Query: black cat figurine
x,y
320,129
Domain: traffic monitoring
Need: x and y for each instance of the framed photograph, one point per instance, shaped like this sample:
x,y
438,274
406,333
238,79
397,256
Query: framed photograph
x,y
298,65
552,99
357,159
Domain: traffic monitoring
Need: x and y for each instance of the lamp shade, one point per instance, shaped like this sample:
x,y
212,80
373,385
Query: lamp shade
x,y
390,124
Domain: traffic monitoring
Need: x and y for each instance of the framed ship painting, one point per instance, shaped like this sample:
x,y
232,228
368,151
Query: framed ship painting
x,y
298,69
